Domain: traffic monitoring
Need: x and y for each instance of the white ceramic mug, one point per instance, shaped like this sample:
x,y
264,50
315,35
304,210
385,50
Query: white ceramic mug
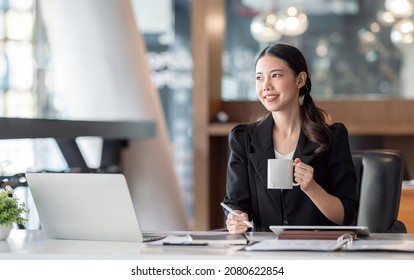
x,y
280,174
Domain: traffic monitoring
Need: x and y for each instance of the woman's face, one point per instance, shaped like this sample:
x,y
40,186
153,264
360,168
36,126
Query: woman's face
x,y
277,86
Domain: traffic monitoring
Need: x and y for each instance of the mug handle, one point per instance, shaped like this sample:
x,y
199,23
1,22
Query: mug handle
x,y
293,183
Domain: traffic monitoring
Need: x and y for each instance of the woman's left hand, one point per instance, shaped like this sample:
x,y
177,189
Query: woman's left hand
x,y
303,174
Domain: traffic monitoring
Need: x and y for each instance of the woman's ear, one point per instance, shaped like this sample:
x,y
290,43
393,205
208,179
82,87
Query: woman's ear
x,y
301,79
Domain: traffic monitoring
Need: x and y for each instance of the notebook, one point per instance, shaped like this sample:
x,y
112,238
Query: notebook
x,y
85,206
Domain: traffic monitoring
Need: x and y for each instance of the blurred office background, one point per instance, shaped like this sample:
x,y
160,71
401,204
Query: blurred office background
x,y
356,49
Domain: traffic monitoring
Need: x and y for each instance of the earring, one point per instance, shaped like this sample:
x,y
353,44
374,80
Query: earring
x,y
301,98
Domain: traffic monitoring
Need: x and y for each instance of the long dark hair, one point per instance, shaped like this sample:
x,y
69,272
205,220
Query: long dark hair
x,y
314,119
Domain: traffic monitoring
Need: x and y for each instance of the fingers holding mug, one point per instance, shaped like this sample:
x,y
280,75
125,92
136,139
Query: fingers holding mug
x,y
303,173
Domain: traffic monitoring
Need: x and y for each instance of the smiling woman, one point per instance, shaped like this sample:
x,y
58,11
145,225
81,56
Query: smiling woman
x,y
294,129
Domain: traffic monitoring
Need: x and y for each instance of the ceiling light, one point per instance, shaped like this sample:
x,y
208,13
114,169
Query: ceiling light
x,y
262,28
292,22
402,32
400,8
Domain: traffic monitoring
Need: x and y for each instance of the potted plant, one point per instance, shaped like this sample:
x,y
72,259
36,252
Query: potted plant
x,y
11,211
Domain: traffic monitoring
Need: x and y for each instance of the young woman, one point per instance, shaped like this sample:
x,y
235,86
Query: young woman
x,y
294,128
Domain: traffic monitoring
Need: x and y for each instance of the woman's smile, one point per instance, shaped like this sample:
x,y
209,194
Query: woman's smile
x,y
271,97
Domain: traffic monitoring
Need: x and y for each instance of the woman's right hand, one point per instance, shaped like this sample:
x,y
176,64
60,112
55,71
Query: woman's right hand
x,y
235,223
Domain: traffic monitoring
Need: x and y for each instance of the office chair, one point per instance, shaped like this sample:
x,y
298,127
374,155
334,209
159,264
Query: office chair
x,y
379,180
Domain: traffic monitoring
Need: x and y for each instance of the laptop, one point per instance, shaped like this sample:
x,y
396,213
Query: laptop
x,y
359,230
85,206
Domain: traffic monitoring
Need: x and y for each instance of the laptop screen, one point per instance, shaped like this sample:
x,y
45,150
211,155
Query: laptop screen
x,y
86,206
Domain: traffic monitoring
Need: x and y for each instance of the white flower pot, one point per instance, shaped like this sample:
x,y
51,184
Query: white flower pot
x,y
4,231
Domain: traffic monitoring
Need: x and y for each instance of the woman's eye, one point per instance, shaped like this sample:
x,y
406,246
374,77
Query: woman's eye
x,y
258,78
276,75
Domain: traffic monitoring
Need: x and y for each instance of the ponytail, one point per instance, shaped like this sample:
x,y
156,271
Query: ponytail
x,y
315,124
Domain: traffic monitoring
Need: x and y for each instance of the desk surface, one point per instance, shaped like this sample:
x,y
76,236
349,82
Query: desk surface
x,y
32,244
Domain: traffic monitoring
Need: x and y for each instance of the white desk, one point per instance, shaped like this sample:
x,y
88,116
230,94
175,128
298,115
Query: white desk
x,y
31,244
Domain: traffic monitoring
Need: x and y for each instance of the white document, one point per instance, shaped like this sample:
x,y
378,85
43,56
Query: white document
x,y
381,245
172,240
332,245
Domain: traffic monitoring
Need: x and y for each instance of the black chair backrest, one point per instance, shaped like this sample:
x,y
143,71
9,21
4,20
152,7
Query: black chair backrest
x,y
357,158
379,181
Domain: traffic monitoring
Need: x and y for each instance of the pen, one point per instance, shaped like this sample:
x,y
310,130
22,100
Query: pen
x,y
235,213
184,244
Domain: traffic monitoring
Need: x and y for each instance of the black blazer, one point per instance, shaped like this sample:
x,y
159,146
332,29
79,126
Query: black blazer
x,y
250,147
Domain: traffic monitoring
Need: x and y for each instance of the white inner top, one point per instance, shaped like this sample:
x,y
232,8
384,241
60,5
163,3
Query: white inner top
x,y
287,156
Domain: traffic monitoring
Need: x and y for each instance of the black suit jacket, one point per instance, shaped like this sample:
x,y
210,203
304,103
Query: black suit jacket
x,y
250,147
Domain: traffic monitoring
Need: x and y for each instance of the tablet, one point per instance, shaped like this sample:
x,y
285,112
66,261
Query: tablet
x,y
359,230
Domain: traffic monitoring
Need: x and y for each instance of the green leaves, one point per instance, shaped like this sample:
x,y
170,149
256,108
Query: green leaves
x,y
10,209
